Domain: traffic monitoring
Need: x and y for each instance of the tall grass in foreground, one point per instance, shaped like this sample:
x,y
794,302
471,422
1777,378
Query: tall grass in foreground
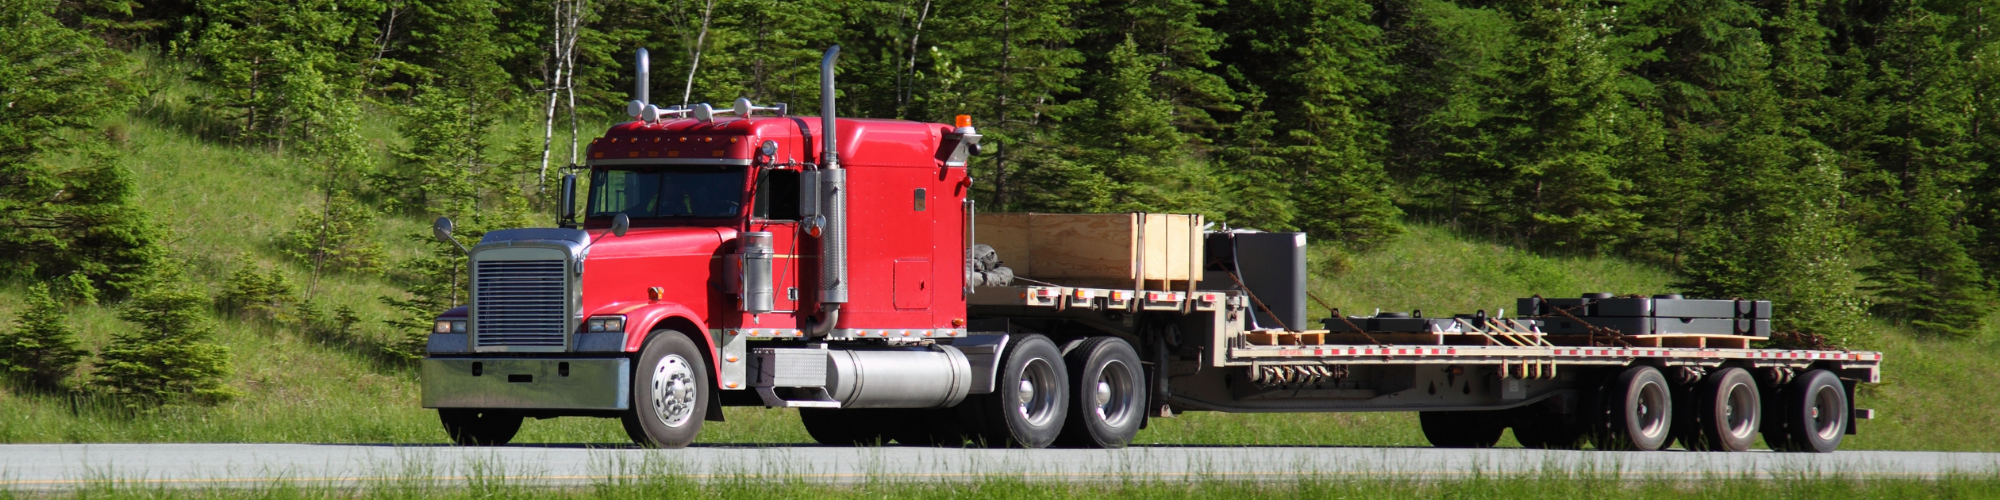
x,y
1564,487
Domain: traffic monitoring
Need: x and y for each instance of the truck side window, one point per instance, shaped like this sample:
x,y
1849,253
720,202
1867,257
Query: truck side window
x,y
777,195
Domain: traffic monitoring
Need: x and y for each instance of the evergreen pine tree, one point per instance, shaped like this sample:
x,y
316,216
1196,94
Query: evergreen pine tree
x,y
1556,135
339,235
1015,67
58,219
168,355
41,351
1253,172
1331,68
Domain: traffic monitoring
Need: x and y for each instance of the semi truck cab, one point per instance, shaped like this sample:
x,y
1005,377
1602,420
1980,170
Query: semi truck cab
x,y
705,233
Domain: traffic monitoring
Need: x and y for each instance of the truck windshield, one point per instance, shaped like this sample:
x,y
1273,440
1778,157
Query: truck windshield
x,y
667,191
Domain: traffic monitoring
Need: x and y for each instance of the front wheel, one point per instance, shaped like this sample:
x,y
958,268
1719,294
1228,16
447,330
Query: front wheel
x,y
479,427
670,392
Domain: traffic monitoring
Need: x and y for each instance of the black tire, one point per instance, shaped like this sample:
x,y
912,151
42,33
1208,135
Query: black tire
x,y
1541,426
1595,411
936,427
1461,429
1727,412
1642,409
479,427
1107,394
1031,418
1815,413
850,427
670,392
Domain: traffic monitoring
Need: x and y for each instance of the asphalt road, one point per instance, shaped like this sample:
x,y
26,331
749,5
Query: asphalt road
x,y
66,466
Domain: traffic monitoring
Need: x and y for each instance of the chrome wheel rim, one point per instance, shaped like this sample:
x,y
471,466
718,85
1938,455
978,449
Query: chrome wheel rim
x,y
1113,393
673,390
1827,422
1651,417
1739,410
1036,398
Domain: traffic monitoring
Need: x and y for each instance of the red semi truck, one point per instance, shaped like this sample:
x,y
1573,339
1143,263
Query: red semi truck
x,y
728,258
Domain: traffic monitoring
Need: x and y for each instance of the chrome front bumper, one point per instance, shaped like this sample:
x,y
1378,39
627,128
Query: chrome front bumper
x,y
530,383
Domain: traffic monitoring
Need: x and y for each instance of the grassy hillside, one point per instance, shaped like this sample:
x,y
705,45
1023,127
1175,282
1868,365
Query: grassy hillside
x,y
224,204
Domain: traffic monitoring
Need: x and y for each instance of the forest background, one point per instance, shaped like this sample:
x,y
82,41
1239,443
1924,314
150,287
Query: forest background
x,y
1837,157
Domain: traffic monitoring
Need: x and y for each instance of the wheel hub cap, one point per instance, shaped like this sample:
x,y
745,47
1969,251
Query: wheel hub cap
x,y
673,391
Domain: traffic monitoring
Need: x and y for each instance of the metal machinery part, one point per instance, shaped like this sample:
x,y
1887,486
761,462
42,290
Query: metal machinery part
x,y
833,183
756,293
673,390
642,84
935,376
545,383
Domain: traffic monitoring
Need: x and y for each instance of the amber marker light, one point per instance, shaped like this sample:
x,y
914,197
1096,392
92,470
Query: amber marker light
x,y
655,293
963,121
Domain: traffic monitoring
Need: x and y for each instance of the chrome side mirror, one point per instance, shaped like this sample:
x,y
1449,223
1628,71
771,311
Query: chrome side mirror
x,y
441,229
619,224
568,210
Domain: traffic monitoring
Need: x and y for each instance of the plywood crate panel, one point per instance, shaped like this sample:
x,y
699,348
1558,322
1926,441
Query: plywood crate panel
x,y
1095,246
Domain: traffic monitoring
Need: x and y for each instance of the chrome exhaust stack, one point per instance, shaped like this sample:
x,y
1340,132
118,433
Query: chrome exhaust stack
x,y
833,189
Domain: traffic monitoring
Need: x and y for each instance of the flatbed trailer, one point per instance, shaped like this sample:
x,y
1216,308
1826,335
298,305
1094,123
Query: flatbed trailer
x,y
741,256
1501,372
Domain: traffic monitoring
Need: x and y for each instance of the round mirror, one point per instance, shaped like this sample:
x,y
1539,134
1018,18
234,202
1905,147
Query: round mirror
x,y
441,229
620,223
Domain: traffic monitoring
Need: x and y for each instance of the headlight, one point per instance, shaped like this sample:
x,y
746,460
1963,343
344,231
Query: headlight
x,y
449,326
605,324
442,327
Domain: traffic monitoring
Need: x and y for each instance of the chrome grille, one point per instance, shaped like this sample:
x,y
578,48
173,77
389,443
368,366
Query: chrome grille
x,y
519,303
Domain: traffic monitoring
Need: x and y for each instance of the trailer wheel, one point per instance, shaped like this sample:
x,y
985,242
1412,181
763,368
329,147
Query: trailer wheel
x,y
1542,426
1727,412
1642,411
1107,388
1461,429
479,427
1815,412
851,427
670,392
1030,396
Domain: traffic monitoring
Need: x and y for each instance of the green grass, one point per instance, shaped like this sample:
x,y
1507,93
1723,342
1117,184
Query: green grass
x,y
223,204
1551,486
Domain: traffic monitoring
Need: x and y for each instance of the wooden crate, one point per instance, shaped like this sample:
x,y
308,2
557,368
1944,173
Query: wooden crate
x,y
1111,250
1263,338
